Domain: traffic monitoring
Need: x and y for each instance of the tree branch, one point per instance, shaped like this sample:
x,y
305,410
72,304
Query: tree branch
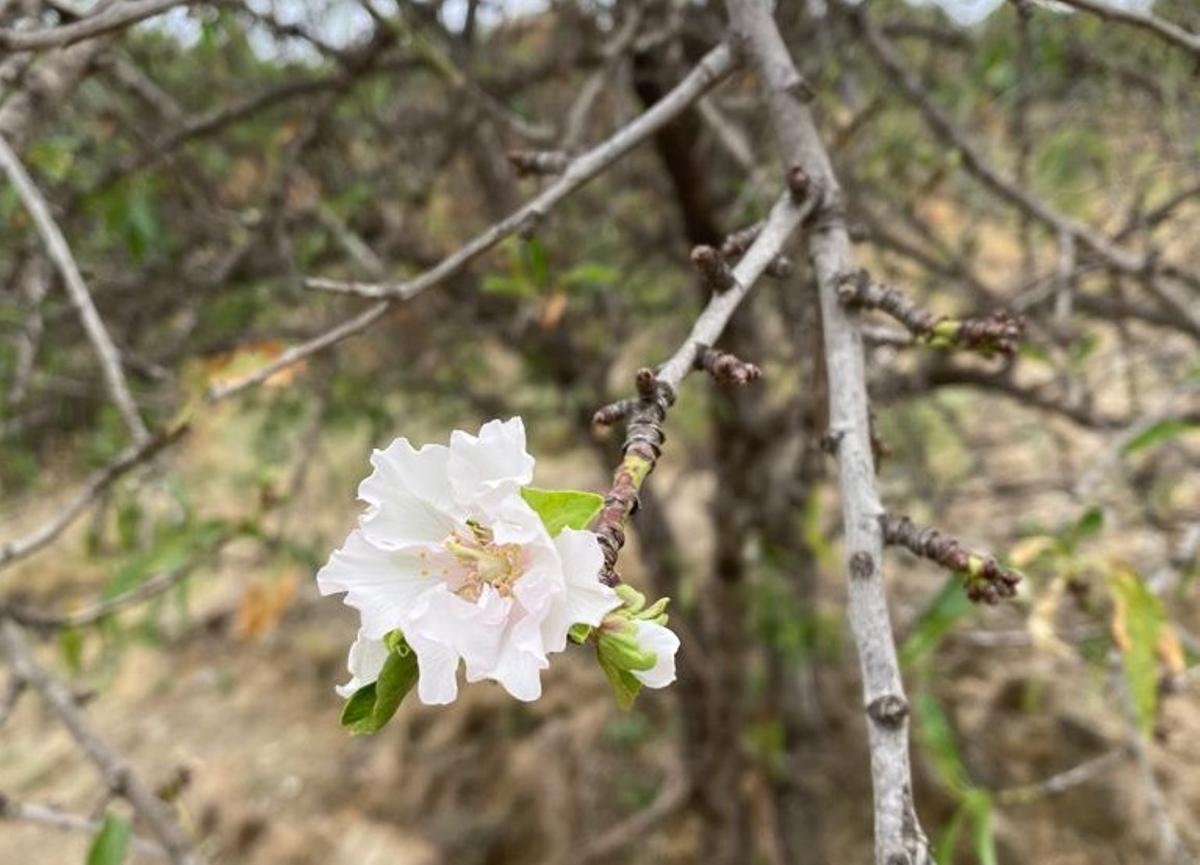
x,y
118,774
898,834
60,253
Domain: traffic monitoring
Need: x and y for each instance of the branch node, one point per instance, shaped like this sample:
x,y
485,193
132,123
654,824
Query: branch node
x,y
889,711
798,183
538,162
713,267
862,565
725,368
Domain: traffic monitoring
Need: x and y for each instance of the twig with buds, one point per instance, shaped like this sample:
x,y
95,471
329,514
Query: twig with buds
x,y
998,332
986,579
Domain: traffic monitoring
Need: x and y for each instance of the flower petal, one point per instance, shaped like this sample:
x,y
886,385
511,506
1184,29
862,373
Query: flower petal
x,y
496,458
383,585
437,666
663,642
365,661
588,599
410,498
519,671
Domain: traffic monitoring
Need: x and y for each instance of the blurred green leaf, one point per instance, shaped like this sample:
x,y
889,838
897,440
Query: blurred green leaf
x,y
939,619
937,736
1138,619
111,842
1157,433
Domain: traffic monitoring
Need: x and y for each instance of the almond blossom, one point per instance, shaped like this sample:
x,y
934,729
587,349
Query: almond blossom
x,y
450,554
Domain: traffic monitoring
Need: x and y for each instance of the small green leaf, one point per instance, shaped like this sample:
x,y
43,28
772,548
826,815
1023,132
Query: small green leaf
x,y
372,706
537,262
70,641
1137,622
563,509
357,711
985,838
937,736
1157,433
940,618
1088,525
111,842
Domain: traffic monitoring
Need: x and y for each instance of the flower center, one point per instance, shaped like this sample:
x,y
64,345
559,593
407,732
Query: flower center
x,y
483,561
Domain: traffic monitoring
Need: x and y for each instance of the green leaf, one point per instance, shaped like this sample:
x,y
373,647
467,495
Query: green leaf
x,y
1137,622
372,706
939,619
111,842
1088,525
985,839
1157,433
947,841
70,641
358,709
563,509
537,263
937,736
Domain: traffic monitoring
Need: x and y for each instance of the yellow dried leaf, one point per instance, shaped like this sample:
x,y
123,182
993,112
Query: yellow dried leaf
x,y
553,309
262,606
1029,549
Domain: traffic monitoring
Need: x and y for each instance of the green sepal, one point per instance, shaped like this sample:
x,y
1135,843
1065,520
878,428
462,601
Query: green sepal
x,y
624,684
579,633
621,648
372,706
563,509
633,600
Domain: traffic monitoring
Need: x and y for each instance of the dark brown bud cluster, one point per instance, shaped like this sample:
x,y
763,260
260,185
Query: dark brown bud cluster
x,y
538,162
725,368
986,580
1001,332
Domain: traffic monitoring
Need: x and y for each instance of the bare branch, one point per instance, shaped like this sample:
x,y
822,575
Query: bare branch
x,y
118,774
135,456
60,253
898,833
715,66
656,390
56,818
1166,30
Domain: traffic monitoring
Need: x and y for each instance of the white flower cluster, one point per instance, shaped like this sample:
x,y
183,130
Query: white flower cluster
x,y
450,554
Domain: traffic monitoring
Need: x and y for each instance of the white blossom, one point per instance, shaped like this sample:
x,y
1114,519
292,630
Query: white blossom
x,y
449,553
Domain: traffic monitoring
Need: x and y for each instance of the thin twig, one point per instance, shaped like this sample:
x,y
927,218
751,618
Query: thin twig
x,y
717,64
60,253
1166,30
67,513
117,772
56,818
656,390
